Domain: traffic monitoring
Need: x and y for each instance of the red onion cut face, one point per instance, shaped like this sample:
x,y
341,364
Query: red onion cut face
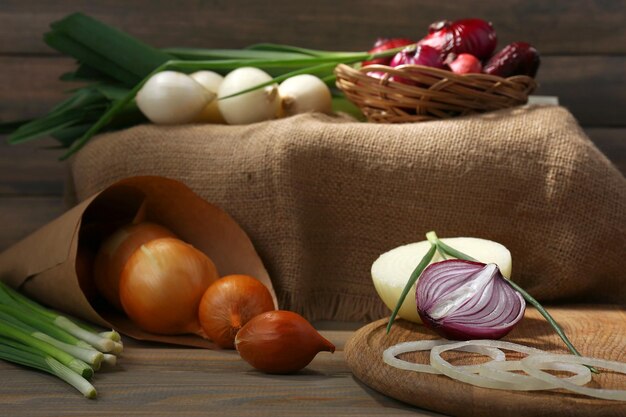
x,y
463,300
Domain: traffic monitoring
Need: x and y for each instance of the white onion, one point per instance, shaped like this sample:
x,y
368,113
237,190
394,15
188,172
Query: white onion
x,y
392,269
390,355
534,363
211,81
254,106
170,97
304,93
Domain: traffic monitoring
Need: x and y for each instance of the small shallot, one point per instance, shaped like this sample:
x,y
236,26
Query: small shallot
x,y
280,342
228,304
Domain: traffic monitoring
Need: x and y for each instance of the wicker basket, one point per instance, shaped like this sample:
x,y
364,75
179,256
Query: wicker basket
x,y
425,93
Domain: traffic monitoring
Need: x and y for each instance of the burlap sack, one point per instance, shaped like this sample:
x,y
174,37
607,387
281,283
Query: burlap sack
x,y
322,197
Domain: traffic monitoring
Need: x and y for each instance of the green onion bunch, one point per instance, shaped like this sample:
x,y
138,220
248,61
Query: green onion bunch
x,y
37,337
114,66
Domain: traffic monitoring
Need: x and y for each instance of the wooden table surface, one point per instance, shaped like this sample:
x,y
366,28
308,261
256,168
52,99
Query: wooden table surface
x,y
160,380
583,46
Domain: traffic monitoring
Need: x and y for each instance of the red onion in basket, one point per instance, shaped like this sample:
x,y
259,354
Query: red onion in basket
x,y
464,300
382,45
517,58
473,36
465,64
422,55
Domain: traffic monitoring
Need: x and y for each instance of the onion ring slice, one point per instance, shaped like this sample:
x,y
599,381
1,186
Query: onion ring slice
x,y
390,355
532,365
501,371
460,374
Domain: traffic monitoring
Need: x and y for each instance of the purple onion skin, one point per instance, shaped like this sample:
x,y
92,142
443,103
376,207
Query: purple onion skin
x,y
472,36
422,55
383,45
518,58
460,327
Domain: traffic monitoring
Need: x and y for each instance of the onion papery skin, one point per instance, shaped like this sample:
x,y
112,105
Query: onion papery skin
x,y
228,304
280,342
472,36
382,45
463,300
115,252
162,285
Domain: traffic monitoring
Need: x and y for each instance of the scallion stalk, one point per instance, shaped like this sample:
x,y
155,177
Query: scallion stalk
x,y
89,355
26,356
412,280
46,320
11,331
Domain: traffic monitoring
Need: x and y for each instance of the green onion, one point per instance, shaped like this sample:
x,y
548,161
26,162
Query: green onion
x,y
117,65
11,331
25,355
51,335
44,317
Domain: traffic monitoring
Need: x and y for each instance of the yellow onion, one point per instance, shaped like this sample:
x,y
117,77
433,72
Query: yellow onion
x,y
280,342
114,254
162,284
228,304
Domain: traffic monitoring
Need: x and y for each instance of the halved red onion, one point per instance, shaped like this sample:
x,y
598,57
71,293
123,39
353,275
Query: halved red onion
x,y
463,300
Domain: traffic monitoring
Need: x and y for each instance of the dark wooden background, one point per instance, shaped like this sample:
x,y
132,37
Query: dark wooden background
x,y
583,46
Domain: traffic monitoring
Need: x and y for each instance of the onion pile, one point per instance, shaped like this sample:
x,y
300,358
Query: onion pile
x,y
464,300
499,373
463,46
171,97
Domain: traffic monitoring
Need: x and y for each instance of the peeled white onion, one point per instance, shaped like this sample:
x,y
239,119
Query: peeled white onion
x,y
304,93
211,81
170,97
251,107
391,271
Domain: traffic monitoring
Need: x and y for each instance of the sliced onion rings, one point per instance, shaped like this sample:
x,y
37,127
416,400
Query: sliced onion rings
x,y
532,364
390,355
501,371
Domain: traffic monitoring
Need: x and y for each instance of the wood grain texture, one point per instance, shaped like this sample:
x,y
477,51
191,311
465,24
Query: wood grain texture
x,y
158,380
597,331
564,26
22,215
31,169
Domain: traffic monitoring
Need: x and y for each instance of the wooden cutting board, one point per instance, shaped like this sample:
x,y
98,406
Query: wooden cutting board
x,y
598,331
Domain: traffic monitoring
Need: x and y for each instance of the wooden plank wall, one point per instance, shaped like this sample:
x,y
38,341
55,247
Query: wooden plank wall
x,y
583,46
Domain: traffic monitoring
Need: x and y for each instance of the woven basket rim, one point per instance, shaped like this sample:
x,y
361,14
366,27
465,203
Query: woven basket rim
x,y
410,93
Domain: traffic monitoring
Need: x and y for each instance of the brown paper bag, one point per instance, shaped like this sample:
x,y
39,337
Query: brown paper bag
x,y
322,197
44,265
